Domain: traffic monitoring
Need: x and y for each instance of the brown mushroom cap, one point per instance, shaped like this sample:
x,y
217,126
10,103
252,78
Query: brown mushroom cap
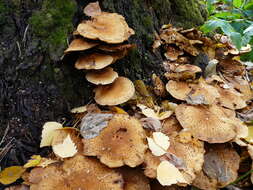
x,y
191,153
134,179
231,99
206,123
219,169
94,61
178,90
80,44
172,53
107,27
115,47
120,91
78,172
88,173
120,143
103,77
151,163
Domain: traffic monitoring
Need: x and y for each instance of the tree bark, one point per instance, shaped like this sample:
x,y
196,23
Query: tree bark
x,y
36,86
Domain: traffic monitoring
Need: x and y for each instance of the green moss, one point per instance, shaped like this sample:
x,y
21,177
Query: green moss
x,y
53,22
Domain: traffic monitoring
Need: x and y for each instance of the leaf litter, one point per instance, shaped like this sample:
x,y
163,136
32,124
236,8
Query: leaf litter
x,y
159,127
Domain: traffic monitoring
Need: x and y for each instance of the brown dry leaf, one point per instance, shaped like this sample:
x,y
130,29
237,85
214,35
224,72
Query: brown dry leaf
x,y
159,87
168,174
11,174
66,149
92,9
48,133
122,142
93,123
134,179
34,161
107,27
205,123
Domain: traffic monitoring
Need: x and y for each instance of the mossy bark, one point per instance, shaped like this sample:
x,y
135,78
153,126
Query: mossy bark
x,y
37,86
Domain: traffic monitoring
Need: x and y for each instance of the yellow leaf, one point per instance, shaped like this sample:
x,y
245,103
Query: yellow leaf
x,y
249,138
118,110
46,161
34,161
66,149
11,174
80,109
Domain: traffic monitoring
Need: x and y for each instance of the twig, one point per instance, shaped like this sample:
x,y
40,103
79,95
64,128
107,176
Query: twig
x,y
19,49
5,134
241,177
26,29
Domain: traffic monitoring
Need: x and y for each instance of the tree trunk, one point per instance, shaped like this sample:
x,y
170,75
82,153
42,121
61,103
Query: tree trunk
x,y
36,86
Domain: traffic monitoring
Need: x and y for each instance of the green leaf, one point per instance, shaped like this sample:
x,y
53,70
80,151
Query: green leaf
x,y
210,6
248,6
237,3
228,15
236,39
212,25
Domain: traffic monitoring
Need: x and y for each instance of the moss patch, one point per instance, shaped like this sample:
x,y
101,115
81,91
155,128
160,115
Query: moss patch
x,y
52,24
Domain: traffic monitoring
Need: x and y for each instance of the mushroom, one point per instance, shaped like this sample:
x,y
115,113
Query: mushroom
x,y
108,27
231,99
151,163
178,89
134,179
120,91
80,44
120,143
220,167
172,53
94,61
103,77
115,47
78,172
206,123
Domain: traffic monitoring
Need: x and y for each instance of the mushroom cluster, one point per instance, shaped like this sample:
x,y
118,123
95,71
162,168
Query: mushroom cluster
x,y
101,43
169,137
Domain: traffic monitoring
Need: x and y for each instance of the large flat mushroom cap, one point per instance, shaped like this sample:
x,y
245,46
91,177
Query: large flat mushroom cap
x,y
103,77
120,91
122,142
107,27
206,123
89,173
94,61
80,44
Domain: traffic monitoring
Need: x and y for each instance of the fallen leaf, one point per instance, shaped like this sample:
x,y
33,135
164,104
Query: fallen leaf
x,y
249,138
168,174
161,140
176,161
151,123
46,161
196,100
48,133
80,109
148,112
92,9
118,110
66,149
34,161
11,174
93,123
155,149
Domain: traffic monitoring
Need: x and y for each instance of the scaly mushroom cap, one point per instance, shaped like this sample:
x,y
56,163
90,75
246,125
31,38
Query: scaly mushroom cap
x,y
220,168
80,44
180,90
172,53
206,123
88,173
122,142
120,91
191,153
134,179
78,172
107,27
103,77
231,99
94,61
151,163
